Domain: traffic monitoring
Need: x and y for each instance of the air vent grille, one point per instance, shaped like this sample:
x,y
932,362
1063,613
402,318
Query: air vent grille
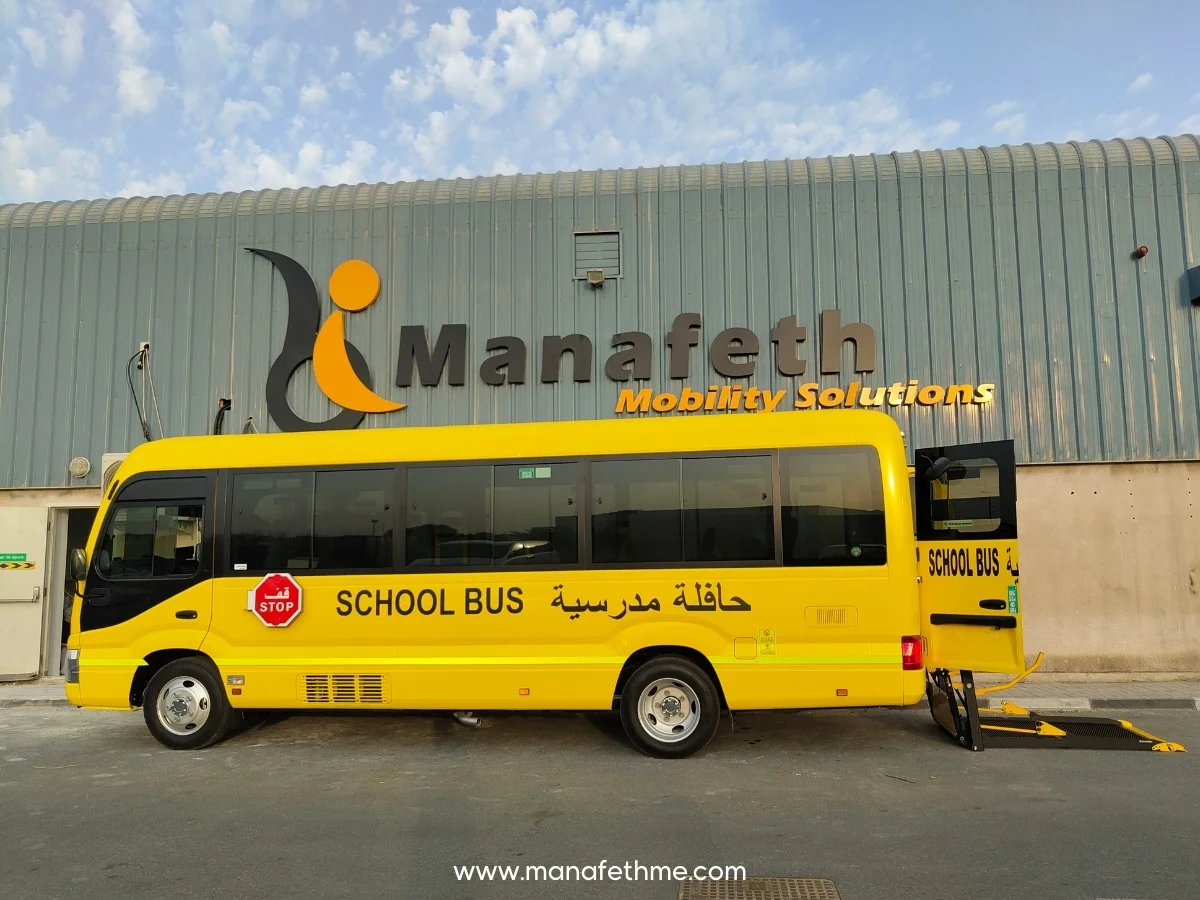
x,y
830,616
343,689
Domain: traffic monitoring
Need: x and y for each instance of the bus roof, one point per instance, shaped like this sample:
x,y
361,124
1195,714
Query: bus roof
x,y
600,437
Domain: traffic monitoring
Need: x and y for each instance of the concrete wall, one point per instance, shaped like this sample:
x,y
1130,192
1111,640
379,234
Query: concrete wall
x,y
1110,566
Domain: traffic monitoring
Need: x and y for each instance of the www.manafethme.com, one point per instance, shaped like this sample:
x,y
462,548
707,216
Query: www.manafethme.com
x,y
602,871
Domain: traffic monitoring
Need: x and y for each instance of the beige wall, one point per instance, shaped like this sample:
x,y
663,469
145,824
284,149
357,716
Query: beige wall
x,y
1110,566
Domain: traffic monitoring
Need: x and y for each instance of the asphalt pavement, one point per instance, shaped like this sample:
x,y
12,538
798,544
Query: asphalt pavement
x,y
384,806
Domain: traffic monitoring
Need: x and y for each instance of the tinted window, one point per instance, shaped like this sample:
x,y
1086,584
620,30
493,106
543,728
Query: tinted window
x,y
636,511
152,541
352,519
728,509
272,522
536,514
832,507
448,519
966,499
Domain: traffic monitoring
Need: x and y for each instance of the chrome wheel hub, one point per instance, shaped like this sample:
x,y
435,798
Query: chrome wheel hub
x,y
668,710
183,705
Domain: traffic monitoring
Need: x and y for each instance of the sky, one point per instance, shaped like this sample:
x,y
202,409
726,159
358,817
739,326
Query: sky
x,y
107,98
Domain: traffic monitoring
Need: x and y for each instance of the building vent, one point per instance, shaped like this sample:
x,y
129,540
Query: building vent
x,y
344,689
598,251
109,463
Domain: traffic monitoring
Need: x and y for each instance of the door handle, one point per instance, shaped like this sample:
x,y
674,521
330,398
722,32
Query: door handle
x,y
186,614
993,604
97,597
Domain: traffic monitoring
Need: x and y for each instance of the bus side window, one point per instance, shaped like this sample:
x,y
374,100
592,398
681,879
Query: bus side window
x,y
832,507
966,499
449,517
728,509
148,541
637,511
272,521
535,520
352,519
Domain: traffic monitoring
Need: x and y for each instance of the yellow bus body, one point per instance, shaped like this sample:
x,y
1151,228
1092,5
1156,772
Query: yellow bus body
x,y
812,636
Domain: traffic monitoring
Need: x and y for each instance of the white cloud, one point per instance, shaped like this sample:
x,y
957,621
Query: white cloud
x,y
244,165
138,89
945,129
299,9
999,109
1130,123
398,82
36,166
237,114
35,45
1142,82
157,186
408,30
1190,125
345,82
1010,127
505,166
123,21
371,46
935,90
6,95
314,94
222,38
70,40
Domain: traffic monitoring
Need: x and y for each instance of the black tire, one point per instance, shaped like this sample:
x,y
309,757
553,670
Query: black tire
x,y
688,678
200,679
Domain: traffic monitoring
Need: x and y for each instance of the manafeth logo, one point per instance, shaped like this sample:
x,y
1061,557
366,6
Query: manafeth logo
x,y
339,367
343,375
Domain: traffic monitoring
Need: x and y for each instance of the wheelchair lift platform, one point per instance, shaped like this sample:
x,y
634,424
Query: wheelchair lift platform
x,y
955,708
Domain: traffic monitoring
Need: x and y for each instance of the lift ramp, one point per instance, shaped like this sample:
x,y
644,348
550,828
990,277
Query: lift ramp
x,y
955,708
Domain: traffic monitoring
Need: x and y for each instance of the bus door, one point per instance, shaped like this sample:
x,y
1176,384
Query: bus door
x,y
150,581
967,562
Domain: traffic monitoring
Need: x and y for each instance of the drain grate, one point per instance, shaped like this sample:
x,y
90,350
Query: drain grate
x,y
760,889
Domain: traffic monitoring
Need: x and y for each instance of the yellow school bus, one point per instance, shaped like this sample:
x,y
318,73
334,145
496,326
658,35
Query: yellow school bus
x,y
668,568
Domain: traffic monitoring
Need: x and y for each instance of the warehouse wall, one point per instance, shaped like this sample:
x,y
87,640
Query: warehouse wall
x,y
1110,566
1009,265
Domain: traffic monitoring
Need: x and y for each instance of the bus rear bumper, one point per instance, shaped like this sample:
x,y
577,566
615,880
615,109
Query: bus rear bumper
x,y
74,694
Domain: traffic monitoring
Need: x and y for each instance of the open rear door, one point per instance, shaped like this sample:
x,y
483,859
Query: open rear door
x,y
966,517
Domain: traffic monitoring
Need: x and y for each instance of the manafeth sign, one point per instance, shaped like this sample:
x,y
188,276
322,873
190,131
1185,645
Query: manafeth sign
x,y
343,375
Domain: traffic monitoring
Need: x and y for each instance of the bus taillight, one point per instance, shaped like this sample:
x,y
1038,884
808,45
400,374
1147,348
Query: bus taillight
x,y
910,653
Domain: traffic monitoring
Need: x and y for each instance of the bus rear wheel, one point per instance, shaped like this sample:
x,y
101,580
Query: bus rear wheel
x,y
185,705
670,707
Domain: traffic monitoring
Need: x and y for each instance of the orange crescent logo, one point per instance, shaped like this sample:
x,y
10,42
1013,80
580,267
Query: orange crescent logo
x,y
353,286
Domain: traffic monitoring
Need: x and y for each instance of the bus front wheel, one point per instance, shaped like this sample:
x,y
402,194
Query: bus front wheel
x,y
185,706
670,707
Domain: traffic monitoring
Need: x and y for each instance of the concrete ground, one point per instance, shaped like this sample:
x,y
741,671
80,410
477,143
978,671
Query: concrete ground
x,y
383,806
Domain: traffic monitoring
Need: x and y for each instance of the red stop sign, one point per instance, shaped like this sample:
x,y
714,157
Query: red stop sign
x,y
275,599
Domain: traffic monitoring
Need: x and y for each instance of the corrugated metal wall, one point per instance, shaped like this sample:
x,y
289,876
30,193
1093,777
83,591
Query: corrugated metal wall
x,y
1009,265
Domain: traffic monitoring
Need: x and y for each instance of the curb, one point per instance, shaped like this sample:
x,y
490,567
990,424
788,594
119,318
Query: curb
x,y
1085,704
19,703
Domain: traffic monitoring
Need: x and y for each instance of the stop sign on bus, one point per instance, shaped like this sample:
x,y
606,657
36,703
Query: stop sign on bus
x,y
275,599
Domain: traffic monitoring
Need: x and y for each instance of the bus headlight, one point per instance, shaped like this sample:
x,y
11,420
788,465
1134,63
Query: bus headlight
x,y
72,667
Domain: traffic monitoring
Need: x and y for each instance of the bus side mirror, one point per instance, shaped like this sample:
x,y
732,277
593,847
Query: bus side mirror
x,y
939,468
78,564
